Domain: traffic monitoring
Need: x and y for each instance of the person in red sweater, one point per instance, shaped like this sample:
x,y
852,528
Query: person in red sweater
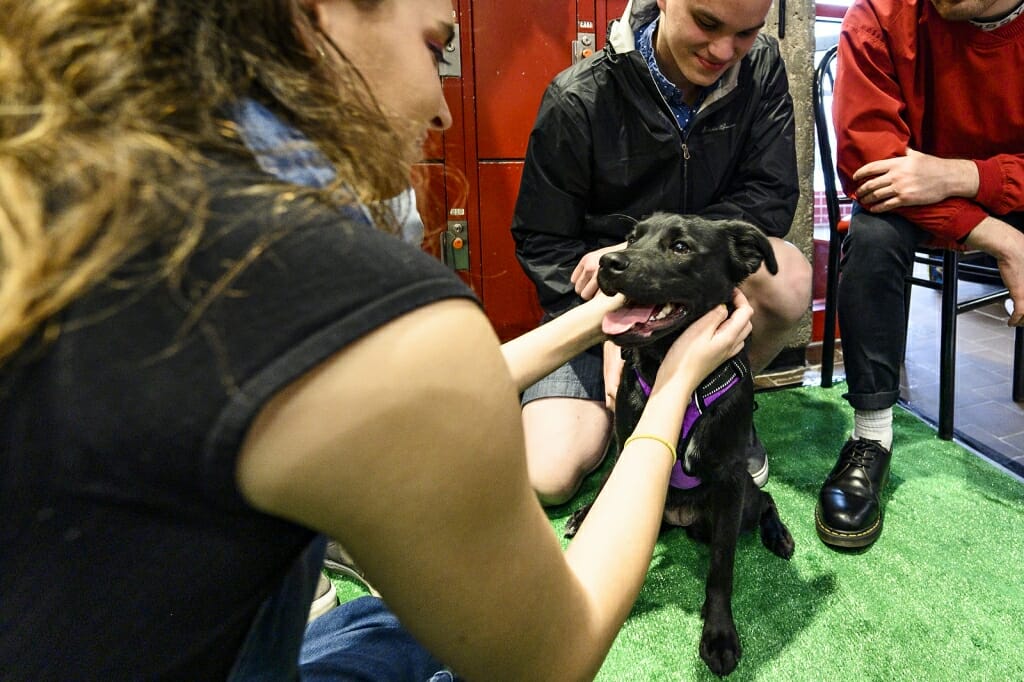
x,y
929,116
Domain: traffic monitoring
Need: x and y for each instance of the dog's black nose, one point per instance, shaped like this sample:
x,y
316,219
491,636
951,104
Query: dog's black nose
x,y
616,261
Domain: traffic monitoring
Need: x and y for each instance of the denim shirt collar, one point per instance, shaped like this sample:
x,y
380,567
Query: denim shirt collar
x,y
673,96
280,149
287,154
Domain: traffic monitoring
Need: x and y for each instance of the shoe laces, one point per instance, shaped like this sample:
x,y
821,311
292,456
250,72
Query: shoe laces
x,y
862,452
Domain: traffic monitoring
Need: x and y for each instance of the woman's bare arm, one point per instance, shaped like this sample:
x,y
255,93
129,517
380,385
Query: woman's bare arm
x,y
540,351
407,447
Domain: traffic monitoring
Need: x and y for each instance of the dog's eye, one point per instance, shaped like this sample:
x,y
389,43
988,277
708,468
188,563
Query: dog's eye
x,y
680,247
630,240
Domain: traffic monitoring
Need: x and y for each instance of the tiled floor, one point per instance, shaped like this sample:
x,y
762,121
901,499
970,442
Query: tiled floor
x,y
985,415
985,419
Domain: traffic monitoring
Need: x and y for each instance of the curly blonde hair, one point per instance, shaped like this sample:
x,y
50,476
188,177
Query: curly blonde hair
x,y
108,109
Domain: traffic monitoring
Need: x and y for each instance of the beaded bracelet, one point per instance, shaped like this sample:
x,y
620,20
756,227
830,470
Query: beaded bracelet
x,y
647,436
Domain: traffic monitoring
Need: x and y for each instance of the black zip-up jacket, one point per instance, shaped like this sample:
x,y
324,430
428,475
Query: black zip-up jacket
x,y
606,150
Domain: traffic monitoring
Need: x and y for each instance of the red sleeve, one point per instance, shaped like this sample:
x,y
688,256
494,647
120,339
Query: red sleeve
x,y
868,111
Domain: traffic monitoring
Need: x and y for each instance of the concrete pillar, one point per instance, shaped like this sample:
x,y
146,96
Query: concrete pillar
x,y
797,44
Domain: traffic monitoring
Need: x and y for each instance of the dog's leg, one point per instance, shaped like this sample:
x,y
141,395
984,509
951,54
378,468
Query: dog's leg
x,y
720,643
774,534
576,520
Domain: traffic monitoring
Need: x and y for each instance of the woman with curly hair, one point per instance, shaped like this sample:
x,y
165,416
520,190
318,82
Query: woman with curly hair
x,y
213,355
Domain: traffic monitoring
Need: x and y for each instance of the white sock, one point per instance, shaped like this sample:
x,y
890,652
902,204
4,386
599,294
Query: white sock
x,y
874,425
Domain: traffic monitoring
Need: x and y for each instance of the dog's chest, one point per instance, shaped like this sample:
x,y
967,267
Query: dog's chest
x,y
681,515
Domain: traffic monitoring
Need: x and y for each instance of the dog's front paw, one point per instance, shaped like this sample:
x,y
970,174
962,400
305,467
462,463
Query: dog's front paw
x,y
775,536
720,646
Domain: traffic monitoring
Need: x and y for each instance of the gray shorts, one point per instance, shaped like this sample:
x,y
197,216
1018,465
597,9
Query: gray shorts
x,y
582,377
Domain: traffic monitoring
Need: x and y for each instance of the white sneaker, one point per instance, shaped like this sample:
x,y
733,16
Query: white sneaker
x,y
757,459
324,599
339,561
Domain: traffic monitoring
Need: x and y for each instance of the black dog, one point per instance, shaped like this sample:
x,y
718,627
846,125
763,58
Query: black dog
x,y
675,269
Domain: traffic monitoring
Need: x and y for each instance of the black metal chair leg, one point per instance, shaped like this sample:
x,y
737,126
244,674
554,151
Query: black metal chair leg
x,y
828,335
947,342
1018,364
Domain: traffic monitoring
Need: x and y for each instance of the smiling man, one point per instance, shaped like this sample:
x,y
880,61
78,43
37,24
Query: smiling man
x,y
687,110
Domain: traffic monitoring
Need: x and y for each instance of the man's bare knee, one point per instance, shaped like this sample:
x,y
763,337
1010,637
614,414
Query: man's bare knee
x,y
556,473
556,493
565,440
780,300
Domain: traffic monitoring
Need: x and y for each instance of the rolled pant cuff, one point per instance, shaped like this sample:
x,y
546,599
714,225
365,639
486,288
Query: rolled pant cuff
x,y
872,401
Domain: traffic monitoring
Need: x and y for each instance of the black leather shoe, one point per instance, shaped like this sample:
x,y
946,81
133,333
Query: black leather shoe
x,y
849,512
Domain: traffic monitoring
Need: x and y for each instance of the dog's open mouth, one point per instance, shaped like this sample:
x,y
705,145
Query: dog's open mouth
x,y
638,320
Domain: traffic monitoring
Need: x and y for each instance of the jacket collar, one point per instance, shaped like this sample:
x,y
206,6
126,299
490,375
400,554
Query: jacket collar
x,y
620,35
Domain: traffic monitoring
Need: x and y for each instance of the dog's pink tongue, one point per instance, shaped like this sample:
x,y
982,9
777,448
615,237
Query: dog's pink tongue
x,y
623,319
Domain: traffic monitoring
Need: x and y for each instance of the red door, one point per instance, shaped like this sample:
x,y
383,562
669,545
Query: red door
x,y
516,49
509,52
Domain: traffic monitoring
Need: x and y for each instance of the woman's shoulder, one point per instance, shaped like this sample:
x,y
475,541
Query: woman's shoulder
x,y
295,281
310,271
280,230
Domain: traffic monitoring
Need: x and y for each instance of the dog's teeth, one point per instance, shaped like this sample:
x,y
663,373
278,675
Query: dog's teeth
x,y
664,312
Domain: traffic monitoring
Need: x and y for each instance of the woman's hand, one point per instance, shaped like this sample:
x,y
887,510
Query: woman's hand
x,y
708,342
612,355
539,351
601,303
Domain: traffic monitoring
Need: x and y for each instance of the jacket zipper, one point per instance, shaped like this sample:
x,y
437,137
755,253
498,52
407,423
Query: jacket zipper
x,y
667,111
686,161
686,174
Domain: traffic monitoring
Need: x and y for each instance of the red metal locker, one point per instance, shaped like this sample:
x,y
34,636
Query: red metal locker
x,y
441,180
607,12
508,53
517,48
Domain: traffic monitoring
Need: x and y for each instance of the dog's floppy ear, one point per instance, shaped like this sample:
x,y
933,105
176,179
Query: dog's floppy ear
x,y
748,248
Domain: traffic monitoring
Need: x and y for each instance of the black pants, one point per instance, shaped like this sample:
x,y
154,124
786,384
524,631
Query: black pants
x,y
878,254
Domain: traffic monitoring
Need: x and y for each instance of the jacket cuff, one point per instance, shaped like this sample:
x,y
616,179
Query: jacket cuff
x,y
965,220
990,183
948,228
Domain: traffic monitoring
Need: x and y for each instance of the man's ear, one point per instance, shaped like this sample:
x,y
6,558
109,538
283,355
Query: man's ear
x,y
748,248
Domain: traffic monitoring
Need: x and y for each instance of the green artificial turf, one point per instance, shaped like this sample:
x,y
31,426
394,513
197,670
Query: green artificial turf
x,y
940,595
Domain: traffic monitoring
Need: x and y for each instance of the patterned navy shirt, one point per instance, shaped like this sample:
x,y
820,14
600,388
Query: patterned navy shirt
x,y
673,95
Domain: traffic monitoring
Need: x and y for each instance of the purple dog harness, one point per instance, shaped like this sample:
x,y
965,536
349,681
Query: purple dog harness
x,y
710,390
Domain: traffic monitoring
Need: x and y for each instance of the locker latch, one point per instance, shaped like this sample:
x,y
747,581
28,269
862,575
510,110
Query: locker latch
x,y
455,245
451,67
583,46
